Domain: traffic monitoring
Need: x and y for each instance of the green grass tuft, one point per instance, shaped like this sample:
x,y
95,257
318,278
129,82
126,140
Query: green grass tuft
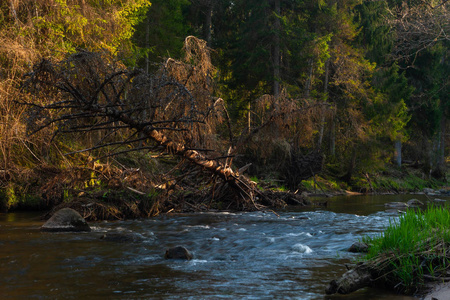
x,y
412,246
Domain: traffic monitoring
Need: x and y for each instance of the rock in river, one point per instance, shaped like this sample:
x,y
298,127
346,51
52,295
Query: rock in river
x,y
396,205
178,253
359,247
415,202
428,191
122,237
66,219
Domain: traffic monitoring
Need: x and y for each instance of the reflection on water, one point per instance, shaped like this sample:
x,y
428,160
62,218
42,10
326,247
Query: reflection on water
x,y
236,255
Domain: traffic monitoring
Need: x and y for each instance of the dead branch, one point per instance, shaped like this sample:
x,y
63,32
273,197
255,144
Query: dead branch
x,y
419,27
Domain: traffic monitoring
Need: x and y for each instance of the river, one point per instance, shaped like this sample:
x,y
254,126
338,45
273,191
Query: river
x,y
256,255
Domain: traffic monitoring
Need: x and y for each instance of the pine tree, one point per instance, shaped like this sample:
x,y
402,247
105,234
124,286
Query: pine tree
x,y
161,34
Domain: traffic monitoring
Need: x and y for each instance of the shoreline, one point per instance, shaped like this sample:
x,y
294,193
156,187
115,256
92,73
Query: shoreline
x,y
121,199
438,291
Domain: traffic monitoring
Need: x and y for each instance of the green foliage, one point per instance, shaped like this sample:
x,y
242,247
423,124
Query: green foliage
x,y
255,179
13,200
376,35
64,26
282,188
245,42
162,32
430,79
15,197
404,182
390,112
153,194
32,202
322,184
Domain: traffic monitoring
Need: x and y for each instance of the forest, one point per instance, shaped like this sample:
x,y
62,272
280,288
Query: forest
x,y
168,103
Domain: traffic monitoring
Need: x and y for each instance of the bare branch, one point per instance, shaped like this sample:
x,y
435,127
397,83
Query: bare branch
x,y
419,27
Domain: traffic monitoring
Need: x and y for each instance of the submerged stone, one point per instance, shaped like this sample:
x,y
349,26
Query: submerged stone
x,y
439,200
428,191
66,219
122,237
397,204
444,192
415,202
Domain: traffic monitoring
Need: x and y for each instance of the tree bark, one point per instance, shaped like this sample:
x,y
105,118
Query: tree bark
x,y
276,50
13,12
443,125
398,152
249,117
438,155
333,134
325,92
147,44
308,84
208,22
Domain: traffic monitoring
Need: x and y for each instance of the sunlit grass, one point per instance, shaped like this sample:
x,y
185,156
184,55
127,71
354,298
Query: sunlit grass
x,y
412,247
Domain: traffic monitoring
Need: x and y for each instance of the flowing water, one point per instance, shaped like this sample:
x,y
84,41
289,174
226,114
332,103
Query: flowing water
x,y
256,255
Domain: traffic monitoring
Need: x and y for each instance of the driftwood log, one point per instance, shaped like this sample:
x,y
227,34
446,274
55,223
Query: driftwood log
x,y
357,278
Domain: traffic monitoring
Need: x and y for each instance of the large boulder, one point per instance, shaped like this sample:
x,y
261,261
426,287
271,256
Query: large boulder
x,y
178,253
66,219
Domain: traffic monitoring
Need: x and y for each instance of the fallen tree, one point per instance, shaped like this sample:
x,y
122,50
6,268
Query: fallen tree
x,y
123,110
